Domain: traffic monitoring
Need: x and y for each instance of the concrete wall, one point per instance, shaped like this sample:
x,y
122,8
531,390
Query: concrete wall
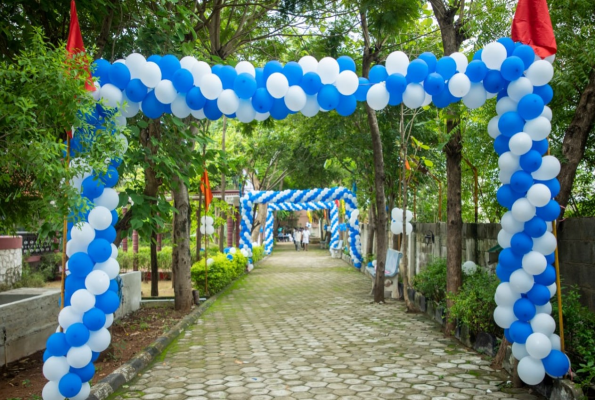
x,y
11,259
131,294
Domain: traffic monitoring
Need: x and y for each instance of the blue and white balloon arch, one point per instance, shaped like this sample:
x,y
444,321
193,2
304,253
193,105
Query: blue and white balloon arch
x,y
159,85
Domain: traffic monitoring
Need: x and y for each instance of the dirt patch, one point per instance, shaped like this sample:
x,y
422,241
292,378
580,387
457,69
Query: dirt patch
x,y
24,380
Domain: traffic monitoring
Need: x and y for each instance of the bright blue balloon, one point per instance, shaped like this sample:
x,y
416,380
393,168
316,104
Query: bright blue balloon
x,y
216,69
530,106
108,234
535,227
525,53
77,334
506,196
152,108
347,105
77,213
57,345
442,99
228,75
74,283
244,86
259,76
547,277
545,92
113,286
279,111
119,75
86,373
377,74
521,181
80,264
46,355
311,83
94,356
107,302
501,144
115,217
507,335
94,319
417,70
524,309
346,63
270,68
99,250
430,60
169,65
503,273
521,243
476,71
509,260
396,84
328,97
362,89
556,364
211,110
395,99
508,43
549,212
293,72
512,68
520,331
541,146
154,58
446,67
229,256
262,101
195,99
110,178
510,123
493,82
92,187
539,294
434,84
70,385
553,185
551,258
183,80
531,161
115,162
101,69
477,55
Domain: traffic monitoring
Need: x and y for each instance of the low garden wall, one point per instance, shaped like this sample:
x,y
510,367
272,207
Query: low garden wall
x,y
11,259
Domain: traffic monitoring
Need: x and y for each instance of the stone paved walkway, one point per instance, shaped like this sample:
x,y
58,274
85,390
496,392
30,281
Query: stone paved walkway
x,y
303,326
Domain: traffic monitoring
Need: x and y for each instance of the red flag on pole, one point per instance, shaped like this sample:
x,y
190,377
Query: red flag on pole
x,y
75,45
532,25
205,188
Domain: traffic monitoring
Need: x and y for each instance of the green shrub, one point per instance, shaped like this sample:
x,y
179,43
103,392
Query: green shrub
x,y
220,273
257,253
474,304
432,281
126,260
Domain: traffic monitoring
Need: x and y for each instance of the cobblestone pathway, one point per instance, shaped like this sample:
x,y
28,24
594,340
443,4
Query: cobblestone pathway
x,y
303,326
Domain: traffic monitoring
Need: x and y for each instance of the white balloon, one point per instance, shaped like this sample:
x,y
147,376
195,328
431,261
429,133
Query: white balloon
x,y
78,357
150,74
165,91
188,62
493,55
547,113
461,61
510,224
377,97
505,176
328,70
121,61
129,108
504,317
459,85
552,288
95,94
414,95
108,199
198,114
68,316
203,230
506,104
277,85
493,130
543,323
100,218
396,228
114,251
504,238
550,168
55,368
347,83
508,162
210,86
83,393
408,215
538,345
228,102
75,246
209,230
209,220
51,391
308,64
539,195
295,98
109,320
82,301
311,108
262,116
408,228
519,351
97,282
476,97
135,63
469,267
397,63
519,88
544,309
522,210
245,67
534,263
111,94
210,262
111,268
82,233
505,296
397,213
545,244
199,70
538,128
179,107
521,281
540,73
556,342
531,370
520,143
99,340
428,100
245,112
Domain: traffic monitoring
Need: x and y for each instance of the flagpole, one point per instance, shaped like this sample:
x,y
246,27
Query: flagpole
x,y
64,234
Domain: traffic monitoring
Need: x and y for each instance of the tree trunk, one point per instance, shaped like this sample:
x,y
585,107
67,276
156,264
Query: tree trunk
x,y
222,238
499,359
181,247
371,230
575,140
154,266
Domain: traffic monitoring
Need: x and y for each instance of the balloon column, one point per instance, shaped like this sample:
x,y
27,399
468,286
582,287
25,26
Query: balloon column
x,y
396,223
206,225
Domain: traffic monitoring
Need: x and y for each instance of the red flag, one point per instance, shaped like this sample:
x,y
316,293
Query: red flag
x,y
75,42
407,167
205,188
532,25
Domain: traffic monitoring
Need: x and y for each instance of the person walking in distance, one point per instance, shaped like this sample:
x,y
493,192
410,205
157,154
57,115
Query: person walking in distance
x,y
297,238
306,238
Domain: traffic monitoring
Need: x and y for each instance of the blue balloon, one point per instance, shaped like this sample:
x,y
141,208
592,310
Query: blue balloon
x,y
152,108
541,146
115,162
493,82
510,123
506,196
293,72
545,92
556,364
270,68
115,217
512,68
183,80
531,161
229,257
311,83
525,53
377,74
259,76
430,60
99,250
244,85
154,58
110,178
507,335
94,356
362,90
46,355
508,43
169,65
77,213
521,243
476,71
108,234
119,75
535,227
228,75
57,345
77,334
539,294
396,84
113,286
521,181
92,187
395,99
70,385
347,105
417,70
446,67
101,69
279,111
553,185
549,212
520,331
328,97
547,277
509,260
80,264
551,258
216,69
346,63
477,55
262,101
94,319
434,84
74,283
524,309
530,106
86,373
195,99
107,302
442,99
503,273
211,110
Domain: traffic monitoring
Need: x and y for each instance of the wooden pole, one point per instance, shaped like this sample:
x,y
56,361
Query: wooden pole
x,y
558,286
64,234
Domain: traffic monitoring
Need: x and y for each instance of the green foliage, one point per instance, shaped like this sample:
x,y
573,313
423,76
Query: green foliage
x,y
220,273
257,254
432,281
143,257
